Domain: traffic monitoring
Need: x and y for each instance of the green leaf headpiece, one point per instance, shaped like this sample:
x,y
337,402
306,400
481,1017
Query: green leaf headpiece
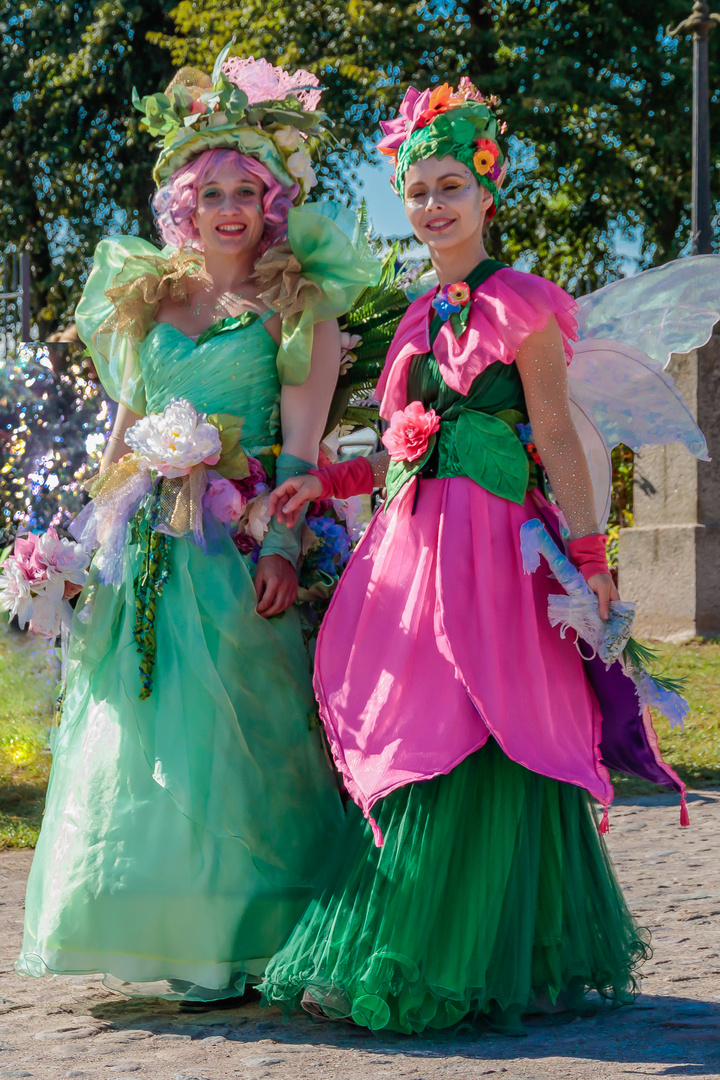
x,y
246,105
445,122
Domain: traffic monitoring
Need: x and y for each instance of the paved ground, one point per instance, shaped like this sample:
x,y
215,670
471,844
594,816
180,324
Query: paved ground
x,y
72,1027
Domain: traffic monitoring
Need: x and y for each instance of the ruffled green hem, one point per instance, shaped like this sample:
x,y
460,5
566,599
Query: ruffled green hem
x,y
493,897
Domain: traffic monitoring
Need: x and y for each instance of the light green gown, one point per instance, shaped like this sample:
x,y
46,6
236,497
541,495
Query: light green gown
x,y
183,834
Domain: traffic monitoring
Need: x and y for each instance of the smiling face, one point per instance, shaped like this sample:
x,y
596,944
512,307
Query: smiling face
x,y
229,213
444,203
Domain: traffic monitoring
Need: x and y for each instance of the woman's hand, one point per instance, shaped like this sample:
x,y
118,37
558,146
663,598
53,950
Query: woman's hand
x,y
604,588
276,585
71,589
287,501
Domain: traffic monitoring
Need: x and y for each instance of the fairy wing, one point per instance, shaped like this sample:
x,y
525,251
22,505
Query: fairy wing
x,y
669,309
620,395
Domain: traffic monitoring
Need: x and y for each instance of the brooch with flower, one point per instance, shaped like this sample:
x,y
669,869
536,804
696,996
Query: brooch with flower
x,y
453,303
451,299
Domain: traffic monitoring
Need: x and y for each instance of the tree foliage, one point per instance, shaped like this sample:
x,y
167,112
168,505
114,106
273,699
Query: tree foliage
x,y
596,86
72,165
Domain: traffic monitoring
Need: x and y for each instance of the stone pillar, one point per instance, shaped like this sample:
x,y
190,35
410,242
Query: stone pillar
x,y
669,561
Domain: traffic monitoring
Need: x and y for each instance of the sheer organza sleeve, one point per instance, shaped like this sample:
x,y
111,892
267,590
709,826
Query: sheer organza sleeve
x,y
541,361
317,275
128,280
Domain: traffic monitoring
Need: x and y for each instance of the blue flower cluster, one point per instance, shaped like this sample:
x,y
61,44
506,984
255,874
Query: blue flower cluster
x,y
333,551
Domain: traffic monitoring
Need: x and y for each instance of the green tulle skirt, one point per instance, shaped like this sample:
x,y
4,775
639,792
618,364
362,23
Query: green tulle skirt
x,y
493,897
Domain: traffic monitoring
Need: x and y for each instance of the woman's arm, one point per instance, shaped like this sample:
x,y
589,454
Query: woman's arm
x,y
303,412
541,363
304,409
115,447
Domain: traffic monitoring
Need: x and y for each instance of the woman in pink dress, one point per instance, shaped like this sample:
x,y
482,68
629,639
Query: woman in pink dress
x,y
479,886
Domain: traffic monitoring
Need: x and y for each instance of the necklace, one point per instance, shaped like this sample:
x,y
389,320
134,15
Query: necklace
x,y
232,303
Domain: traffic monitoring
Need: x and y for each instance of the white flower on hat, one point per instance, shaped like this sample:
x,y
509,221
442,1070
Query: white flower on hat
x,y
299,165
287,137
174,441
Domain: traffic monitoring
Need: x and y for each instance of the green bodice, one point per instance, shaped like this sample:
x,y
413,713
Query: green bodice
x,y
232,371
478,435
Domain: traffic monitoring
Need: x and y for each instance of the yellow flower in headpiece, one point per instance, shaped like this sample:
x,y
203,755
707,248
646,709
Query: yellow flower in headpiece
x,y
485,156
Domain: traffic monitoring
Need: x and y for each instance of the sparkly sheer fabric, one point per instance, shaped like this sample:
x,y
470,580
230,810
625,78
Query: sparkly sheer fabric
x,y
541,362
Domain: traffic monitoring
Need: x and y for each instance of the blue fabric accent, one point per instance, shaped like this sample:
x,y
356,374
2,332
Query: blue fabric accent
x,y
279,539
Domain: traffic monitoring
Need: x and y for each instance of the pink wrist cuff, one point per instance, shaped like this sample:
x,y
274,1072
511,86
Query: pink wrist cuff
x,y
346,478
588,554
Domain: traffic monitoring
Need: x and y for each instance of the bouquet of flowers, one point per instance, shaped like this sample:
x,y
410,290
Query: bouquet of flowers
x,y
243,504
37,579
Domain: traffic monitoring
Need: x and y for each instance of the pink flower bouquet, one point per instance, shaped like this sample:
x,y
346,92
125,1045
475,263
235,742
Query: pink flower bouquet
x,y
34,579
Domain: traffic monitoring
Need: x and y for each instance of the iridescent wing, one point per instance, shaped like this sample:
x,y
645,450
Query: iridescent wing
x,y
621,395
669,309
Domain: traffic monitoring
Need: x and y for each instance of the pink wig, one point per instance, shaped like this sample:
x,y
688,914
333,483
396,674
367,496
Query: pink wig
x,y
176,201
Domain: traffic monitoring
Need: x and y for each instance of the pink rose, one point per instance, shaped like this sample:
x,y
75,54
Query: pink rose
x,y
409,433
198,106
255,483
223,500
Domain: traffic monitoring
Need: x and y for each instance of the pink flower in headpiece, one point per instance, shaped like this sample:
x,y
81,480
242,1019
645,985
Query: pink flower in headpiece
x,y
396,131
468,90
409,433
263,82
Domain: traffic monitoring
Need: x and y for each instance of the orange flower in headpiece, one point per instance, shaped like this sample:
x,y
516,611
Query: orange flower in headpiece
x,y
485,156
441,99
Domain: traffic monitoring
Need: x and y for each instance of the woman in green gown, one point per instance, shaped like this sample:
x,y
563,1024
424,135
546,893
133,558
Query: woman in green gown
x,y
190,801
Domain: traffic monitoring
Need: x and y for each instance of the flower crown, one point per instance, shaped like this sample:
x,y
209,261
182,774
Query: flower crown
x,y
446,121
246,105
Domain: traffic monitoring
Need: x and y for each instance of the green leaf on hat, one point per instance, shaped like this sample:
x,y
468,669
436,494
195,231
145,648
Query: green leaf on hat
x,y
463,130
237,102
221,58
182,98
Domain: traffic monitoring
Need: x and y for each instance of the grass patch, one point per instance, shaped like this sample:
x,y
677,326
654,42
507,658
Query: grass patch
x,y
28,675
695,752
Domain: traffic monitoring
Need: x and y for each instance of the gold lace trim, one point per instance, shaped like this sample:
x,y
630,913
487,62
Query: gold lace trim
x,y
284,289
136,302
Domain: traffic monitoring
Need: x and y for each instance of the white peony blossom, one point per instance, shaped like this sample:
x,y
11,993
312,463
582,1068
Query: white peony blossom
x,y
15,595
48,615
255,517
23,598
174,441
299,165
287,137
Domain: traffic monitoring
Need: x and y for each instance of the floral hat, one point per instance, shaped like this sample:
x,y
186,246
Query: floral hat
x,y
247,105
446,121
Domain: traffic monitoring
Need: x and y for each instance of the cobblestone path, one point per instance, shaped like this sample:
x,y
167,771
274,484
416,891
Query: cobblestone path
x,y
72,1027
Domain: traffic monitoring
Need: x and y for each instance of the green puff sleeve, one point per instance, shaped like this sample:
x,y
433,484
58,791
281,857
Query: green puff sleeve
x,y
119,301
328,242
